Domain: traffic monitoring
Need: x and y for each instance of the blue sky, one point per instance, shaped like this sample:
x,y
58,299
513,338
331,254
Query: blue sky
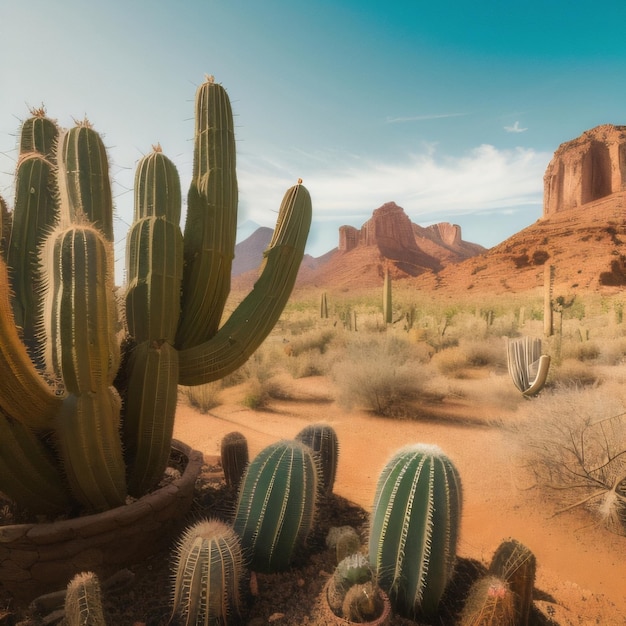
x,y
451,109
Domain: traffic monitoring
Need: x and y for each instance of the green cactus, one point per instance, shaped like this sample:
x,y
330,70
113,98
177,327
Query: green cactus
x,y
69,435
276,505
352,570
208,573
322,439
324,306
516,565
234,456
344,540
83,601
490,602
414,528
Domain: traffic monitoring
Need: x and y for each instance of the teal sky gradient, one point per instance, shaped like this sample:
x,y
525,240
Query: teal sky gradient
x,y
451,109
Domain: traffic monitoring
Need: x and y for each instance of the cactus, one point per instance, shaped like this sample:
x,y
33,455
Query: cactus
x,y
490,602
387,309
276,505
208,573
527,366
83,601
235,457
97,423
324,306
352,570
322,439
516,565
344,540
414,528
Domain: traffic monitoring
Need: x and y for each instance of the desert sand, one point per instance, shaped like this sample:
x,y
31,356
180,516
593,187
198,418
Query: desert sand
x,y
581,577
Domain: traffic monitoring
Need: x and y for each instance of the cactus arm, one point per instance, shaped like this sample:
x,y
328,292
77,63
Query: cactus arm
x,y
24,395
89,444
149,414
256,315
39,134
211,223
83,178
542,375
27,471
34,216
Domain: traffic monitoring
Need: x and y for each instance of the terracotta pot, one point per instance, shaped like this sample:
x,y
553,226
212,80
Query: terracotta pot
x,y
325,614
39,558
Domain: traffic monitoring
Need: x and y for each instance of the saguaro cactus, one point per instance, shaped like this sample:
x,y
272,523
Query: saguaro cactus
x,y
387,308
208,573
414,528
73,408
276,506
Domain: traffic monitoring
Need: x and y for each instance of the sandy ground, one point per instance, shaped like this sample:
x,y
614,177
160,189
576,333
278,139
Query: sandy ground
x,y
581,578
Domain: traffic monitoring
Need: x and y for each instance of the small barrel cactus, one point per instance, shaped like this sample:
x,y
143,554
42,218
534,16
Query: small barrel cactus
x,y
83,601
414,528
353,570
276,505
322,439
344,540
515,564
208,573
235,457
490,602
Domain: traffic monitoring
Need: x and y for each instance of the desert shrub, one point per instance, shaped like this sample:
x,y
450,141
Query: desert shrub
x,y
612,352
377,375
451,362
487,353
309,363
317,339
203,397
573,442
580,350
573,373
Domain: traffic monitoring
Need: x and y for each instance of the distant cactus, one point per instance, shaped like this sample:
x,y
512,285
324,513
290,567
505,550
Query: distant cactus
x,y
414,528
527,366
490,602
516,565
387,308
234,456
322,439
83,601
208,574
324,306
276,505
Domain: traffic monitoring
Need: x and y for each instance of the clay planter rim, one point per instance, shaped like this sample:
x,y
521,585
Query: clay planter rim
x,y
384,619
36,558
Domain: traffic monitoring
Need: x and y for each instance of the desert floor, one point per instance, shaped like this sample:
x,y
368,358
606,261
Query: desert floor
x,y
581,576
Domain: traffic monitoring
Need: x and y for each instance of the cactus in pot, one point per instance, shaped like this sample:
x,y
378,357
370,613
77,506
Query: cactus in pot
x,y
414,528
85,419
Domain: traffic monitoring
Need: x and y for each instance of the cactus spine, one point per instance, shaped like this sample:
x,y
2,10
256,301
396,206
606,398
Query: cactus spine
x,y
515,564
322,439
414,528
276,505
208,572
235,457
173,339
83,601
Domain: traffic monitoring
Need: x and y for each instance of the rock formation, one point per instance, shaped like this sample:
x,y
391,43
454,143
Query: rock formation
x,y
586,169
411,247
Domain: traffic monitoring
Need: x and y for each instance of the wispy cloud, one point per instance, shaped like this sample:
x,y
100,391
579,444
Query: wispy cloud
x,y
515,128
422,118
429,187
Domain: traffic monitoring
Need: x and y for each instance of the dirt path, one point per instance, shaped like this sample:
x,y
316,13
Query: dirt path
x,y
581,566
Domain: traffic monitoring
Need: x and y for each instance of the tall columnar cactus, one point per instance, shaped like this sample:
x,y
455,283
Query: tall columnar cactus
x,y
83,601
516,565
322,439
234,456
208,574
98,422
527,366
414,528
387,308
276,505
